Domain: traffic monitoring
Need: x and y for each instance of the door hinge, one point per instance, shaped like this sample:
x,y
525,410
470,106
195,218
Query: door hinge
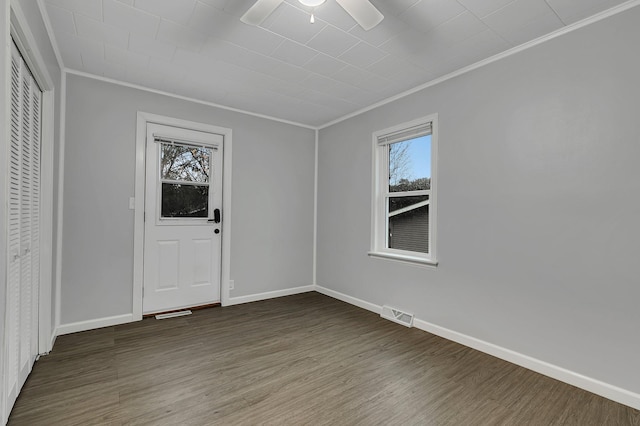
x,y
144,216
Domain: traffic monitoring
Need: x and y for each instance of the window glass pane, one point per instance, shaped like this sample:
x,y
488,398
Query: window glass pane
x,y
410,165
185,200
186,163
408,223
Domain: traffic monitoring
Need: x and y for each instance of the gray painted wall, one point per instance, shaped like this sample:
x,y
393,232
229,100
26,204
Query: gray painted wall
x,y
272,197
538,204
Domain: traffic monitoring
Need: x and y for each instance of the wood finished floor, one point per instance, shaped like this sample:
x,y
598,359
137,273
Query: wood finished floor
x,y
298,360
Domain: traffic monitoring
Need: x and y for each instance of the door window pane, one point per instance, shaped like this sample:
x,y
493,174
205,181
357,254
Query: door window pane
x,y
185,200
185,163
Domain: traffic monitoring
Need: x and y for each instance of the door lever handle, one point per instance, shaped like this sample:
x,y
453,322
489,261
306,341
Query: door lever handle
x,y
216,216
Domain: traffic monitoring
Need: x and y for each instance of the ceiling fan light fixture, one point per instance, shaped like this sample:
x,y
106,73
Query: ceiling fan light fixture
x,y
311,3
362,11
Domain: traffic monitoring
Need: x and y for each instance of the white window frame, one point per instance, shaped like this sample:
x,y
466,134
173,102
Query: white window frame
x,y
380,188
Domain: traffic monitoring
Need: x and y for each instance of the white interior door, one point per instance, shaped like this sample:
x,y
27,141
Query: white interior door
x,y
183,205
23,278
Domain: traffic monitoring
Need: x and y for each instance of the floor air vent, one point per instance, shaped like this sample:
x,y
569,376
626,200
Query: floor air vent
x,y
398,316
173,314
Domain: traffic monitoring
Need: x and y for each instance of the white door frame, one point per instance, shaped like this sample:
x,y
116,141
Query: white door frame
x,y
138,240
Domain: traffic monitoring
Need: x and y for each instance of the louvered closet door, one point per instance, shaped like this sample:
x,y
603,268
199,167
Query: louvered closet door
x,y
24,225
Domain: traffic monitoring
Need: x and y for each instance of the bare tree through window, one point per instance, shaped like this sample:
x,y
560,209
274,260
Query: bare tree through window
x,y
184,171
403,174
399,162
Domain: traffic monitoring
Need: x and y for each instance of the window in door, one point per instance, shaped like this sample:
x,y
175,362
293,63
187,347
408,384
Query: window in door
x,y
184,177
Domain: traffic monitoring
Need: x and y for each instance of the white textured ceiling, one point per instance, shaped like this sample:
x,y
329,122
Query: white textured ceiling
x,y
288,68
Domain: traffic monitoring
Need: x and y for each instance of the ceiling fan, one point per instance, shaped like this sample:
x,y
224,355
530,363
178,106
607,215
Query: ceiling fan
x,y
362,11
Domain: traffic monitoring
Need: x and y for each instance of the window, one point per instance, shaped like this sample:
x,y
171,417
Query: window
x,y
184,175
404,189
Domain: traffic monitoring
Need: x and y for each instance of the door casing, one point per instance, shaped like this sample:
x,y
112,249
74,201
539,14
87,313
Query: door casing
x,y
143,119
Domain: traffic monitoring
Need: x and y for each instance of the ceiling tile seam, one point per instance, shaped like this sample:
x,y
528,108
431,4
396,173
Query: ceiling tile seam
x,y
75,24
499,9
530,19
209,37
320,32
329,24
386,54
173,54
491,30
555,12
408,10
514,50
401,11
391,56
184,26
456,17
343,83
285,63
277,47
481,20
370,74
313,72
497,34
193,11
434,29
68,10
344,64
487,28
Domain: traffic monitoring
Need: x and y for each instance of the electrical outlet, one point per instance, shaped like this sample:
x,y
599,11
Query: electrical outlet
x,y
232,284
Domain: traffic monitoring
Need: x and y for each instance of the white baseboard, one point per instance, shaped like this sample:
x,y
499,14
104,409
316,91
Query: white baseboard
x,y
349,299
75,327
269,295
122,319
595,386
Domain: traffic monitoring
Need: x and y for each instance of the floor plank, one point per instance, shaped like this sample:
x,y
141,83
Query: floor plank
x,y
296,360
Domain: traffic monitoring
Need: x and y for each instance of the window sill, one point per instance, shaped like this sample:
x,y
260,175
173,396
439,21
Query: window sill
x,y
420,261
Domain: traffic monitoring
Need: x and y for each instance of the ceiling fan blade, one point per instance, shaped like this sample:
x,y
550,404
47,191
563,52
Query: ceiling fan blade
x,y
363,12
259,11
